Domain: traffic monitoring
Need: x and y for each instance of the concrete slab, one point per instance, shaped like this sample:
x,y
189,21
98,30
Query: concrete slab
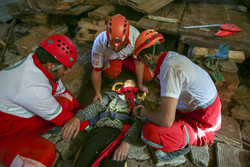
x,y
242,96
231,156
75,79
240,113
245,131
139,152
69,149
200,156
230,132
228,66
175,162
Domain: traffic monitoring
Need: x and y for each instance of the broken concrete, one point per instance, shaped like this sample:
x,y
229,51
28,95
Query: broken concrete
x,y
29,43
230,132
231,156
228,66
240,113
75,79
138,152
147,6
175,162
245,131
200,156
242,97
102,12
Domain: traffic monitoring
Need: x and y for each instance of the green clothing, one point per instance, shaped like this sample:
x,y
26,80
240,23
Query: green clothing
x,y
112,102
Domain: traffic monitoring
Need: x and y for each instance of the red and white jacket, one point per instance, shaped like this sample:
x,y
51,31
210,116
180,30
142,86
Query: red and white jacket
x,y
27,91
101,50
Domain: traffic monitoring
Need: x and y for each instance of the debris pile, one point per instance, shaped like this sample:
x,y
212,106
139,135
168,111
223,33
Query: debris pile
x,y
83,20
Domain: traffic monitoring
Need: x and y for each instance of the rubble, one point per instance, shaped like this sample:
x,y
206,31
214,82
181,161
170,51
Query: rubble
x,y
29,43
146,6
235,156
230,132
245,131
232,140
200,155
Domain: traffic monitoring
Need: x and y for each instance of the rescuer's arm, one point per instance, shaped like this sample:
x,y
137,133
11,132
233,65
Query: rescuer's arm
x,y
139,71
163,117
97,83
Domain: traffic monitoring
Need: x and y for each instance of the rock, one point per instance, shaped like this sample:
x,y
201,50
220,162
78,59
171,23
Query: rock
x,y
46,135
76,78
231,156
228,66
63,148
175,162
245,131
56,138
69,149
138,152
242,97
230,132
200,156
240,113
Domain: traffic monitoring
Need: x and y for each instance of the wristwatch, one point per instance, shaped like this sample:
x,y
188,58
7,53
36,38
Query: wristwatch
x,y
138,111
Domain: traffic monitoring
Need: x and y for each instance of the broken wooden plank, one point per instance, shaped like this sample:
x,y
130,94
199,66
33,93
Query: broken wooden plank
x,y
99,2
149,6
84,35
163,19
63,5
101,12
77,10
2,44
91,26
173,11
87,37
137,2
41,4
12,25
40,18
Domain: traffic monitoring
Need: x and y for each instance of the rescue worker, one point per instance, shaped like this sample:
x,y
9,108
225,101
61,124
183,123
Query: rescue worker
x,y
190,109
114,49
112,136
33,100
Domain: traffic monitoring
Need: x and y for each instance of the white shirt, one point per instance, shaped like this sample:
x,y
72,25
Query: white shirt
x,y
101,49
25,91
182,79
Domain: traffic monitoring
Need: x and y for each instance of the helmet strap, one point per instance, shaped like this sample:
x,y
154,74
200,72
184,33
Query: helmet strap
x,y
57,67
150,63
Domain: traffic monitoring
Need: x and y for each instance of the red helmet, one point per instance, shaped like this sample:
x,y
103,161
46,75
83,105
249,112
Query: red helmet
x,y
62,48
146,39
117,30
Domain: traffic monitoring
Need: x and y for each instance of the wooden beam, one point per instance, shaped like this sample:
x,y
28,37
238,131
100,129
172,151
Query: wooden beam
x,y
101,12
163,19
91,26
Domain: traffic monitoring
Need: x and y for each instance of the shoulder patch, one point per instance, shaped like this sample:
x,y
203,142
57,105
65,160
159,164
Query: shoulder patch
x,y
96,59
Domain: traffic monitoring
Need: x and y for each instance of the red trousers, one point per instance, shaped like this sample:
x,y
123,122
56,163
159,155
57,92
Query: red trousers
x,y
19,136
113,68
192,128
